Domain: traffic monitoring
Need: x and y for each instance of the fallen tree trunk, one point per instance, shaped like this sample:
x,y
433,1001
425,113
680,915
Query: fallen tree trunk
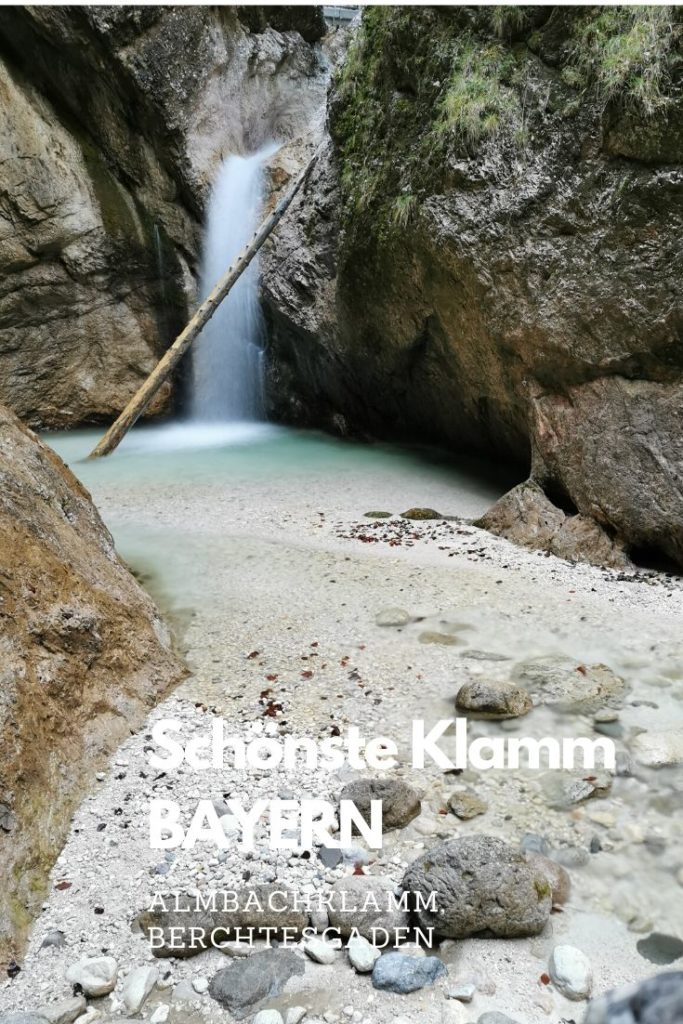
x,y
174,354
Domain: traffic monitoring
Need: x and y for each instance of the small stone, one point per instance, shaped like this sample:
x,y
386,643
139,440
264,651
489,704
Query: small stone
x,y
557,877
268,1017
365,903
320,951
571,972
494,1017
481,698
362,954
535,844
184,993
465,804
330,856
138,987
96,975
463,992
606,716
320,919
54,937
295,1014
429,636
160,1015
659,749
395,972
377,515
421,513
64,1012
400,802
392,617
200,985
262,975
238,950
90,1016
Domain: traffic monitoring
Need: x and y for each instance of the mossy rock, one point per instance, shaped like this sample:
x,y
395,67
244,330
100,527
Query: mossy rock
x,y
421,513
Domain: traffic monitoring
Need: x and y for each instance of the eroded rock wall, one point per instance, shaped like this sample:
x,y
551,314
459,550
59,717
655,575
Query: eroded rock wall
x,y
489,253
112,124
83,658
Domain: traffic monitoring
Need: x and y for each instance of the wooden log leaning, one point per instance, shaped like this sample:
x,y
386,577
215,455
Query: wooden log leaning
x,y
174,354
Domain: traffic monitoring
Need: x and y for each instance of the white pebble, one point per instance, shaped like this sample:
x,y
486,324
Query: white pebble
x,y
571,972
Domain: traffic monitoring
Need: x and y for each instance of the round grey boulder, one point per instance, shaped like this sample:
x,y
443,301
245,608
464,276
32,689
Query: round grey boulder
x,y
482,698
482,886
400,802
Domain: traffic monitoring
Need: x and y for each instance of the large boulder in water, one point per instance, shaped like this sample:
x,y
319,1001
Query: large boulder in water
x,y
83,658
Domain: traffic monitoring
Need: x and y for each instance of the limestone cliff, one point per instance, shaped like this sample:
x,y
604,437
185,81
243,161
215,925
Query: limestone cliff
x,y
489,254
112,123
83,658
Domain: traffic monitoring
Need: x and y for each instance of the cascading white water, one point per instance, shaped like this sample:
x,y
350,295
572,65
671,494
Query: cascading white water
x,y
227,359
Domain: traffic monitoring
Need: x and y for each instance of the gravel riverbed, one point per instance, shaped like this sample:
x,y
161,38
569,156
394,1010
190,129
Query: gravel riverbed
x,y
278,585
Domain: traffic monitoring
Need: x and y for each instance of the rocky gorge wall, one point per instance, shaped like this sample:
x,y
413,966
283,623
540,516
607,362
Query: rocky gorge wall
x,y
83,657
488,255
112,124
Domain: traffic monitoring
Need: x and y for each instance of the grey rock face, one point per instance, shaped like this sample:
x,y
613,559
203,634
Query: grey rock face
x,y
365,902
395,972
400,802
244,983
658,1000
482,698
481,885
105,205
488,293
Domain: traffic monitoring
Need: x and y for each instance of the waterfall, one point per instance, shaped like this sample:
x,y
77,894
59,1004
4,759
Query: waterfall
x,y
227,359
